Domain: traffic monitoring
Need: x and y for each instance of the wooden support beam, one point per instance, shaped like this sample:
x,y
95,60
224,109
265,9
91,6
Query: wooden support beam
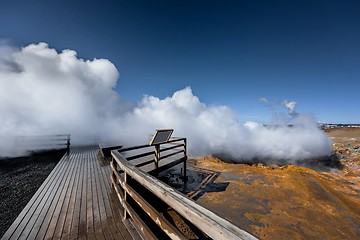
x,y
140,225
140,155
185,156
208,222
157,155
133,148
175,140
171,154
164,224
166,166
172,147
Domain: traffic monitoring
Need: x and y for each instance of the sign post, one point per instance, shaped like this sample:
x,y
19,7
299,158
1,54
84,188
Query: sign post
x,y
159,137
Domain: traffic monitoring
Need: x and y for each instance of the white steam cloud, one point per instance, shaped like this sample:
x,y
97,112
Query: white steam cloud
x,y
291,107
46,92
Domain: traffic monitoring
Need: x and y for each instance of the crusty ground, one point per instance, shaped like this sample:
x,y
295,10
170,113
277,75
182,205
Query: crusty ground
x,y
291,202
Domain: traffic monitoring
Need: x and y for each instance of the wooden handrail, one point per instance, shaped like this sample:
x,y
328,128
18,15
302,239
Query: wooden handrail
x,y
150,210
133,148
207,221
171,154
172,147
140,155
42,142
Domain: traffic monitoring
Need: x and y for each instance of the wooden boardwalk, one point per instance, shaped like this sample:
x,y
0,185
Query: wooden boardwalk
x,y
76,201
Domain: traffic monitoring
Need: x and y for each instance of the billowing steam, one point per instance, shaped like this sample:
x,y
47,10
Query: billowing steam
x,y
46,92
291,107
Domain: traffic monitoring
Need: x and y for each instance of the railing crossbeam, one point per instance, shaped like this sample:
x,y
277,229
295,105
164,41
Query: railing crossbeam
x,y
205,220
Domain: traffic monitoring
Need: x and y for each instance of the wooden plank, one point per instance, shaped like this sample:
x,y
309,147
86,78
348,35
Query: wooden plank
x,y
140,165
171,147
142,161
21,221
89,221
61,222
140,225
140,155
95,205
148,165
60,208
54,207
74,230
119,194
103,217
71,205
133,148
170,164
89,202
83,203
42,207
114,206
56,215
115,197
171,154
117,211
118,180
104,184
42,142
172,140
111,228
144,164
105,149
164,224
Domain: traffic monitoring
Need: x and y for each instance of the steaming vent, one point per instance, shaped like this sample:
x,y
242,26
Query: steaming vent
x,y
57,91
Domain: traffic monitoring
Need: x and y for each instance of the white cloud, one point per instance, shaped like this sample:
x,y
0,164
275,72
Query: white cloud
x,y
46,92
55,92
290,105
263,100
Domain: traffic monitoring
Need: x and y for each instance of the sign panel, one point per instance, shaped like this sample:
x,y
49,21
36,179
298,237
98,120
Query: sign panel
x,y
161,136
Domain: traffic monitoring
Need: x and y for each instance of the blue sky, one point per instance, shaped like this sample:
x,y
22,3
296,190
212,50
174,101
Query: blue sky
x,y
230,52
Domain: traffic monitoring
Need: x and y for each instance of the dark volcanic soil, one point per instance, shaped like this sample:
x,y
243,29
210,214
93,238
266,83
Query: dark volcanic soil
x,y
19,179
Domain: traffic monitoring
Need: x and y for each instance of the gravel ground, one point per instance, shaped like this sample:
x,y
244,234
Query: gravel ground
x,y
19,180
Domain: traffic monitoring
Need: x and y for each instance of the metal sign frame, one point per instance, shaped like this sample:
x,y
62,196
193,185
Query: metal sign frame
x,y
161,136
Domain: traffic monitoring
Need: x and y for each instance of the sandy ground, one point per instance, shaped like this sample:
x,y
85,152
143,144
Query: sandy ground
x,y
291,202
19,180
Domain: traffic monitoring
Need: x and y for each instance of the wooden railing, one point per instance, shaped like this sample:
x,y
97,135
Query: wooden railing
x,y
43,142
127,177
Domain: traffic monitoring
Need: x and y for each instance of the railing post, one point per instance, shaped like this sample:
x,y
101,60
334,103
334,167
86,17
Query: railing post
x,y
202,218
185,158
157,155
124,199
68,143
112,175
125,215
